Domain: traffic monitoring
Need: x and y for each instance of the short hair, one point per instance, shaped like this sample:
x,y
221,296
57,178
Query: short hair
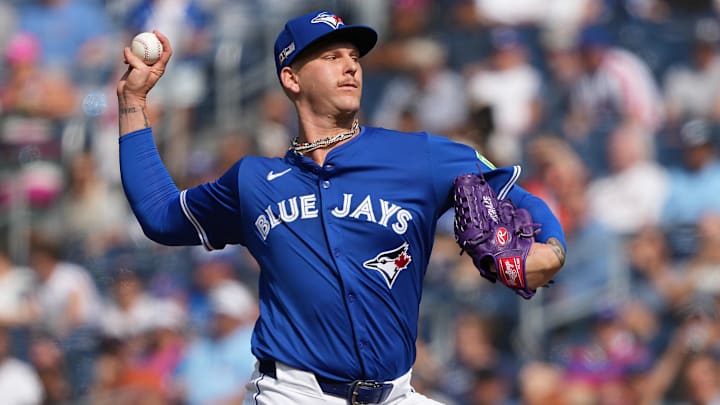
x,y
43,243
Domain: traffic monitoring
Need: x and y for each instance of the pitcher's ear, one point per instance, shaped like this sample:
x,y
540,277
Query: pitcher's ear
x,y
289,80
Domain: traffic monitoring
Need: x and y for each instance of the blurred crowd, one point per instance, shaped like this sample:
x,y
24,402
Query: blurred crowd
x,y
611,106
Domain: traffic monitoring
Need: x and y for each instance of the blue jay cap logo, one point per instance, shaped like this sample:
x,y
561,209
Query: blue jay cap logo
x,y
303,31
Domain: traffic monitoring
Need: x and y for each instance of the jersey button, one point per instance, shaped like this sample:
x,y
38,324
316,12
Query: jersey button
x,y
326,184
336,252
351,297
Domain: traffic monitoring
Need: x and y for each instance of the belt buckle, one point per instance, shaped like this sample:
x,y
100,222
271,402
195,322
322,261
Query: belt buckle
x,y
362,384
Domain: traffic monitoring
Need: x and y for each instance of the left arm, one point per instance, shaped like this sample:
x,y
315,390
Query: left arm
x,y
547,254
543,262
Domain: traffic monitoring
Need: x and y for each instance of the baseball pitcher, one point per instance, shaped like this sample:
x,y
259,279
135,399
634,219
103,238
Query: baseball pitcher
x,y
342,226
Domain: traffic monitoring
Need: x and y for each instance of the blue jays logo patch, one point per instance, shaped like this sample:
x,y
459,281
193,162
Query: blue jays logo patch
x,y
330,19
390,263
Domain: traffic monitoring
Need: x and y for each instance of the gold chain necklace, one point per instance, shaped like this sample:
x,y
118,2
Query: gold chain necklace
x,y
300,148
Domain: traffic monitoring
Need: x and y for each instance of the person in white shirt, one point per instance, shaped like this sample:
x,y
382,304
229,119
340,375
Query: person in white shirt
x,y
17,306
509,85
19,382
129,311
69,307
632,194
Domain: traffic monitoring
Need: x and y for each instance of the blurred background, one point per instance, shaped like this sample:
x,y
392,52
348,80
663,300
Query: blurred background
x,y
612,107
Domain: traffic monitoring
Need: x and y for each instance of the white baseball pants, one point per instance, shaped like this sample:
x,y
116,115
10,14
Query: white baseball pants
x,y
297,387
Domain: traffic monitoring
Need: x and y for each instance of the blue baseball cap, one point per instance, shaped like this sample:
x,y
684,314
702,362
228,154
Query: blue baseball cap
x,y
303,31
506,38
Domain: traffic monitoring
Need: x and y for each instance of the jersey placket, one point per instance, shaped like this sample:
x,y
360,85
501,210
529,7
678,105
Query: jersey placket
x,y
330,199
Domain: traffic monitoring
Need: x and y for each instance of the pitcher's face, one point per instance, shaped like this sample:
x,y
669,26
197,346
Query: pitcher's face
x,y
329,78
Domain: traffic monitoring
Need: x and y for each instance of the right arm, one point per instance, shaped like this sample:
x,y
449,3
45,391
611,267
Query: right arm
x,y
206,214
151,192
134,86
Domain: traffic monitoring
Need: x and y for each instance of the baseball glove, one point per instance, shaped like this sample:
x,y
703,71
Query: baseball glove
x,y
495,233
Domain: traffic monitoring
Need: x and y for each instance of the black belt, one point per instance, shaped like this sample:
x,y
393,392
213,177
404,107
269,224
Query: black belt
x,y
356,392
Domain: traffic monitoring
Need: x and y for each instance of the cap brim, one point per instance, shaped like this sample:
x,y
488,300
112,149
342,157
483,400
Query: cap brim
x,y
362,36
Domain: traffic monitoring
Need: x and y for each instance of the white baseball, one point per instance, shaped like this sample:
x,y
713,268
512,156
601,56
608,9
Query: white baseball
x,y
147,47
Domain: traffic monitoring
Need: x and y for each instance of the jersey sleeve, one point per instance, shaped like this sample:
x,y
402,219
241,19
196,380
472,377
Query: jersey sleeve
x,y
214,210
153,196
205,214
449,159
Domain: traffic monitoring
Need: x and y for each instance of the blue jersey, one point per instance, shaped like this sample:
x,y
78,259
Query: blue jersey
x,y
342,248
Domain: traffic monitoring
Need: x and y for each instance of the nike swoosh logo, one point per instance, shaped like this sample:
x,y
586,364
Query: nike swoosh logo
x,y
272,175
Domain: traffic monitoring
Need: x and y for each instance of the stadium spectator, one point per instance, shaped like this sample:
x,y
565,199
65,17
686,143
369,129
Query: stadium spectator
x,y
430,91
210,270
598,366
66,292
52,367
490,387
29,89
18,308
74,37
120,380
217,364
508,85
166,341
19,382
559,176
69,305
592,247
463,34
635,176
8,21
91,213
544,13
692,87
687,371
657,280
273,129
615,86
475,351
409,19
144,365
701,379
129,310
556,174
540,383
230,148
563,70
427,373
702,269
700,170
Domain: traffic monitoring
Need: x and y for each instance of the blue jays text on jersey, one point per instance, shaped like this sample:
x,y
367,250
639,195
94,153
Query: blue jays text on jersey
x,y
304,207
342,247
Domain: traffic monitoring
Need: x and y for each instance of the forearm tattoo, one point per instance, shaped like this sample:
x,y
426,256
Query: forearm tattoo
x,y
136,109
558,249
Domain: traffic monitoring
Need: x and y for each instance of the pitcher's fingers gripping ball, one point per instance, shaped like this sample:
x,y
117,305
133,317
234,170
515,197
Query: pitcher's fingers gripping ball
x,y
493,232
147,47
